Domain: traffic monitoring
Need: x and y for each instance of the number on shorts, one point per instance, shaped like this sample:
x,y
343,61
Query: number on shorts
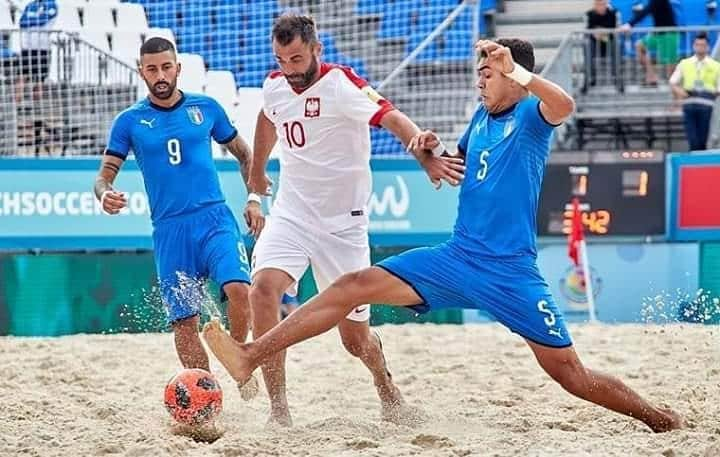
x,y
542,307
173,147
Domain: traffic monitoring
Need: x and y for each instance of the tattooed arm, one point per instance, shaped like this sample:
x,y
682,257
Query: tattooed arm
x,y
241,151
111,200
254,217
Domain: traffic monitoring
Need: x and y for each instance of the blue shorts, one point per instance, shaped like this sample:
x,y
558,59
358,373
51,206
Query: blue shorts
x,y
190,249
513,291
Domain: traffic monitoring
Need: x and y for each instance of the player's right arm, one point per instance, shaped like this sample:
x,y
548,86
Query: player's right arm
x,y
111,200
117,150
265,139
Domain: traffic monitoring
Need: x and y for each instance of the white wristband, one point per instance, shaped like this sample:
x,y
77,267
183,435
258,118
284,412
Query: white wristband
x,y
439,149
253,197
520,75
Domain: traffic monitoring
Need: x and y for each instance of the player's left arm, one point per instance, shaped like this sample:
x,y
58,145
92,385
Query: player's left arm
x,y
556,105
225,133
241,151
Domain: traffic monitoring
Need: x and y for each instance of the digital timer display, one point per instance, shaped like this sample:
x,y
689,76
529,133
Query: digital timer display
x,y
620,193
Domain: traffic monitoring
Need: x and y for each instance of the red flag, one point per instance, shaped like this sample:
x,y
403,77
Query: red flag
x,y
577,233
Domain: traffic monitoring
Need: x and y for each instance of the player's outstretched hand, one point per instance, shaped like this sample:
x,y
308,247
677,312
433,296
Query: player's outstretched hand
x,y
446,168
426,139
260,184
254,218
113,201
496,56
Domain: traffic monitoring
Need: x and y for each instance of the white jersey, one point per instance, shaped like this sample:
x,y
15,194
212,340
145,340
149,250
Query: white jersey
x,y
325,137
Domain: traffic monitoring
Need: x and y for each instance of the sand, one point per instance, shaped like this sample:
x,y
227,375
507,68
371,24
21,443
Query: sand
x,y
99,395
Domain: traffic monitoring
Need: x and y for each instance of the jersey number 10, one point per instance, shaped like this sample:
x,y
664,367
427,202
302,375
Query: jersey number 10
x,y
173,147
294,134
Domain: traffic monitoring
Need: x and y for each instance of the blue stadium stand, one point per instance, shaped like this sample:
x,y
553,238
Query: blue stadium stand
x,y
383,142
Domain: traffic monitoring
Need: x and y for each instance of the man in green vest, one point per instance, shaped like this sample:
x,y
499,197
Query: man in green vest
x,y
696,81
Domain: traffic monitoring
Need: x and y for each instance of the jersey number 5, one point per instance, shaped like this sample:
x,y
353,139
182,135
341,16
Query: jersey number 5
x,y
482,171
173,147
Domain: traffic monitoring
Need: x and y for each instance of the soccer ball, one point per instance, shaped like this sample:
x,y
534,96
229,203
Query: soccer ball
x,y
193,397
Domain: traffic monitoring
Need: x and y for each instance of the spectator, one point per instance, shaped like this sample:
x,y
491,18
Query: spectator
x,y
663,44
601,16
696,81
37,17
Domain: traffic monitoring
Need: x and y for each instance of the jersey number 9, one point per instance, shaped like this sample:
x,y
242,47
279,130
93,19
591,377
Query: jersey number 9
x,y
173,147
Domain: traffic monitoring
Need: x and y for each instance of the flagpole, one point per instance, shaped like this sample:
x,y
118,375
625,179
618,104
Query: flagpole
x,y
588,281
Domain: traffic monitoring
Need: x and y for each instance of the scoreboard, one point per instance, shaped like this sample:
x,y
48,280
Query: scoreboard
x,y
620,193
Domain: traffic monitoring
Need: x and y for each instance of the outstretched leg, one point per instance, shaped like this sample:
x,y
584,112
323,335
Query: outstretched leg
x,y
326,310
565,367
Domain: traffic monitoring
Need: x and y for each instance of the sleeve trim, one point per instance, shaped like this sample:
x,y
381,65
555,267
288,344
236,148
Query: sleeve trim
x,y
229,138
119,155
543,117
385,107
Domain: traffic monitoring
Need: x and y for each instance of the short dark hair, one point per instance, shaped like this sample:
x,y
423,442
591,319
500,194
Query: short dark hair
x,y
289,26
702,36
522,52
155,45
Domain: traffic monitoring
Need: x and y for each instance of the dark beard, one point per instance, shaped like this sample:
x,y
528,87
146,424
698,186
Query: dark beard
x,y
307,77
163,95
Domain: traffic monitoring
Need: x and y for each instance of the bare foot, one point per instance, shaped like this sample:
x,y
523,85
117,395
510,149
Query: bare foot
x,y
249,389
205,433
280,417
670,421
228,351
403,414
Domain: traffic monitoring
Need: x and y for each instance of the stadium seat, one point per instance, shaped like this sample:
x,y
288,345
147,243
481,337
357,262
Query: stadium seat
x,y
396,21
221,86
456,45
68,18
428,54
251,78
192,76
249,104
370,7
196,16
5,16
158,32
192,40
229,16
98,16
383,142
97,38
224,53
425,20
130,16
166,15
126,46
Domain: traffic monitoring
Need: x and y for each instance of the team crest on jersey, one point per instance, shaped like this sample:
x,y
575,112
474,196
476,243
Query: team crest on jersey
x,y
312,107
196,116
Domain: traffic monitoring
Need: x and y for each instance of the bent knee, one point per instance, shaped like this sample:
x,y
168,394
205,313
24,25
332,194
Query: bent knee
x,y
355,286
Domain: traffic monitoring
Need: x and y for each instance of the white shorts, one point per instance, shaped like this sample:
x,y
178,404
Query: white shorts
x,y
292,247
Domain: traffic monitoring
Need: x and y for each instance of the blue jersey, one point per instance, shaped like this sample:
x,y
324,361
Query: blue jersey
x,y
505,155
172,147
